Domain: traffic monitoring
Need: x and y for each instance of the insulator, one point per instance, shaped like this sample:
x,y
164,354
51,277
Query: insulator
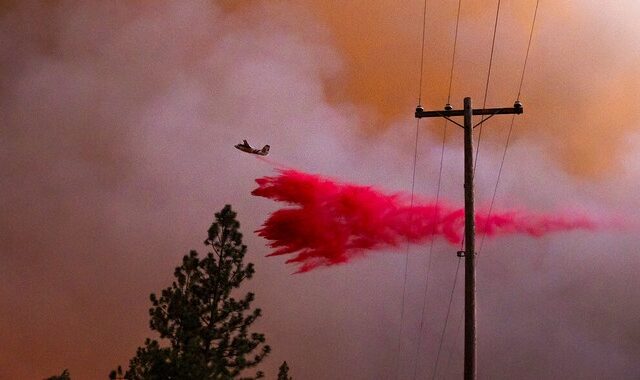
x,y
448,107
517,104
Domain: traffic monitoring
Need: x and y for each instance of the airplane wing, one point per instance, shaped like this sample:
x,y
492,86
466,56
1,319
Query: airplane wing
x,y
243,148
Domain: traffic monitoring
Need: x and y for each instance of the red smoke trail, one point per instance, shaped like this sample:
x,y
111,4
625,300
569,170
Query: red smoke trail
x,y
335,222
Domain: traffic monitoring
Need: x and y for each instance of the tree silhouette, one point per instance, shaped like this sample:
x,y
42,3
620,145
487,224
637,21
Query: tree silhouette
x,y
204,329
283,373
63,376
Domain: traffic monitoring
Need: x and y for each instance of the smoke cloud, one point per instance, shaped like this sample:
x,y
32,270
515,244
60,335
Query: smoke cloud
x,y
116,149
383,44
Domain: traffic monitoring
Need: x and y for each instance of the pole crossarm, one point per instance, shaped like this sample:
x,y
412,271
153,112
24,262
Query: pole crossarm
x,y
448,113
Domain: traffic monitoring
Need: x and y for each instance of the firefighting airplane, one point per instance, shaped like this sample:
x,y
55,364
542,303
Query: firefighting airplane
x,y
245,147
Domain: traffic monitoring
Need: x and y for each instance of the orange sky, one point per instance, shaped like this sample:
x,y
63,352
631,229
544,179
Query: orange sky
x,y
580,86
117,149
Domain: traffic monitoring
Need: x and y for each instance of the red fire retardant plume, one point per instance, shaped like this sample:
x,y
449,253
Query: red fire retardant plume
x,y
331,222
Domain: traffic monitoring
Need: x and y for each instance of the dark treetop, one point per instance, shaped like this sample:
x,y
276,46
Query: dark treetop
x,y
204,329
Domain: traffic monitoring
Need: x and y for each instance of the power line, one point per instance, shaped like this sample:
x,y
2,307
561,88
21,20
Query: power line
x,y
506,146
446,319
469,253
484,104
453,345
504,153
455,44
444,136
424,33
486,91
526,57
413,181
426,286
486,86
406,258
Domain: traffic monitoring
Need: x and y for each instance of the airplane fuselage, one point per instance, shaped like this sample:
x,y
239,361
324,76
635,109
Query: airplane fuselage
x,y
248,149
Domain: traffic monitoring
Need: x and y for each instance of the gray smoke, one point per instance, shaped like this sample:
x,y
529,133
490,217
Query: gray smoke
x,y
117,149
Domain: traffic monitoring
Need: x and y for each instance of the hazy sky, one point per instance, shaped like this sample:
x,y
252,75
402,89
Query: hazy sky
x,y
119,120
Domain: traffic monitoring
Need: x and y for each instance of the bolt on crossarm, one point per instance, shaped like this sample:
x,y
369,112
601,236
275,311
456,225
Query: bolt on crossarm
x,y
469,254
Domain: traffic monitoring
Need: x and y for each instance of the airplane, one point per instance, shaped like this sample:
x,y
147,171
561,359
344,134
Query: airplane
x,y
245,147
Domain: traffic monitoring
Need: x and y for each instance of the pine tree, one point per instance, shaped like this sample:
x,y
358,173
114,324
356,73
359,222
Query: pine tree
x,y
204,328
283,373
63,376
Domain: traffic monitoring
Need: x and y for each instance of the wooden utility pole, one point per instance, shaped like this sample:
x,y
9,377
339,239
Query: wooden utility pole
x,y
469,252
469,248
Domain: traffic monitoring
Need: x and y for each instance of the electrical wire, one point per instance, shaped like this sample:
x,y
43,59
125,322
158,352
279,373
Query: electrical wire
x,y
513,118
424,33
428,276
526,57
446,319
444,136
486,86
455,339
504,153
486,91
413,181
406,258
455,45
